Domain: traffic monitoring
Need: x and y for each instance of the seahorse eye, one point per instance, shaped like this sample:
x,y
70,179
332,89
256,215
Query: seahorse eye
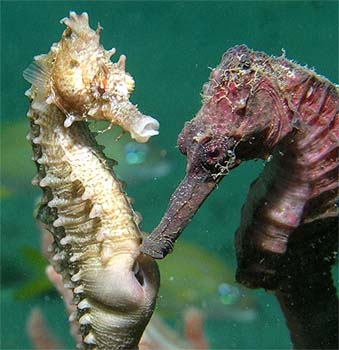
x,y
217,154
213,155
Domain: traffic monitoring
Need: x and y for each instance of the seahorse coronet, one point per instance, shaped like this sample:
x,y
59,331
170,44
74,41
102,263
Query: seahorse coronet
x,y
95,230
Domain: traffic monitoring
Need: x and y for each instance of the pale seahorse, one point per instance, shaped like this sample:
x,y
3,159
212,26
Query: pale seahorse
x,y
96,234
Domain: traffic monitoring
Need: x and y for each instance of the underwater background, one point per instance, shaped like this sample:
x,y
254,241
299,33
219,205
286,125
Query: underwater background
x,y
169,47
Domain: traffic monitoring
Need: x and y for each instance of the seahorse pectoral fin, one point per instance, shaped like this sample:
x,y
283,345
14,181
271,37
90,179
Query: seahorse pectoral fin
x,y
184,203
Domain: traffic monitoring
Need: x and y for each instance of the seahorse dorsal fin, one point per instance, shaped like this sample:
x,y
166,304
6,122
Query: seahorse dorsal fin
x,y
37,73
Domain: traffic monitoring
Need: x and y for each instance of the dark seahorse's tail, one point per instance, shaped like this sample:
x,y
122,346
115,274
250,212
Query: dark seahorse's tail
x,y
306,293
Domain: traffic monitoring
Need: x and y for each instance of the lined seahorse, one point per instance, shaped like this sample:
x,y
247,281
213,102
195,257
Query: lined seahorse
x,y
96,234
260,107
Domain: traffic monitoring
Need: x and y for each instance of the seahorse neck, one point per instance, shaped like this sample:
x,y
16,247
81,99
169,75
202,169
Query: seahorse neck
x,y
299,182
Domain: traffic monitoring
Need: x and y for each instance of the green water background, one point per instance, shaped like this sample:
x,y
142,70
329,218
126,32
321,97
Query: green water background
x,y
169,47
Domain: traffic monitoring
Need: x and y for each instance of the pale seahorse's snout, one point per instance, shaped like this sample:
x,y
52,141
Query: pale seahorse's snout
x,y
142,127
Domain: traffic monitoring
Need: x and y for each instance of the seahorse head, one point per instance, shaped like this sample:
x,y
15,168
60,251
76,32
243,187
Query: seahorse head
x,y
79,77
241,118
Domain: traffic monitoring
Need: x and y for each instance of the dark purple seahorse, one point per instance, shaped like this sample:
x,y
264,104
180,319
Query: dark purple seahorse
x,y
260,107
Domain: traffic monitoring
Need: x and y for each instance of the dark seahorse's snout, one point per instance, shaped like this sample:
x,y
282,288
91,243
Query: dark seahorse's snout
x,y
208,160
183,204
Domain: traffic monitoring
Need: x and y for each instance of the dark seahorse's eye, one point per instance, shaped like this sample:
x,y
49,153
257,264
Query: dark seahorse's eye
x,y
217,153
213,154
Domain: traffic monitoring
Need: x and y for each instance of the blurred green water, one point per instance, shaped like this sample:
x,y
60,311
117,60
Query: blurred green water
x,y
169,47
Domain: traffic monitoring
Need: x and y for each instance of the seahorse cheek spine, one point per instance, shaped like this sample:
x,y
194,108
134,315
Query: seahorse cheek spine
x,y
96,237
